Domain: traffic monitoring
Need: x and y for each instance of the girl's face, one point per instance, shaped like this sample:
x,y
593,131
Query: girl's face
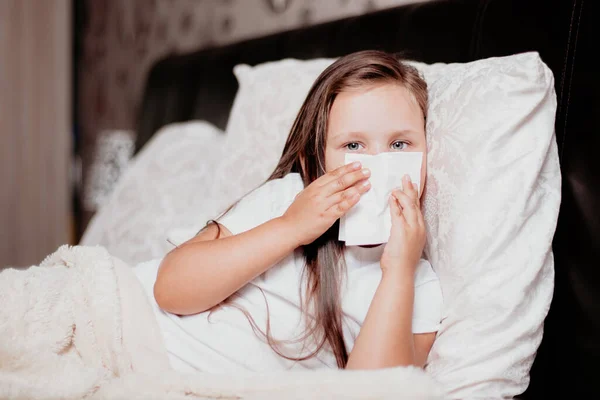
x,y
373,120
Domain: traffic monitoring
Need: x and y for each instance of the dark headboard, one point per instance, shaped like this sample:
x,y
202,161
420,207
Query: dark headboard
x,y
201,85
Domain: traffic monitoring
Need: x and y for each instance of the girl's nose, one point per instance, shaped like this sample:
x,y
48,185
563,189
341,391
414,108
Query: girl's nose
x,y
376,149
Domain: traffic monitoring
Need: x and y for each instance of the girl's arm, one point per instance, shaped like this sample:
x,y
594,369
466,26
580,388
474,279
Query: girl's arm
x,y
386,338
206,270
203,272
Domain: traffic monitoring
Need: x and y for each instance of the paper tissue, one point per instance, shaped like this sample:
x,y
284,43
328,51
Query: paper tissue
x,y
369,221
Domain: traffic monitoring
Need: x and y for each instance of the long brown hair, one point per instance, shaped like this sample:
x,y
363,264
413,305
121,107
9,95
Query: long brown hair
x,y
304,153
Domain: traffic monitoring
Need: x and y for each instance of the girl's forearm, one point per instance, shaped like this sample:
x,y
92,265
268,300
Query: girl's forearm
x,y
199,275
386,339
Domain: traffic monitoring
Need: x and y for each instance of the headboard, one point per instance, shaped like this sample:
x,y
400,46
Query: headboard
x,y
201,85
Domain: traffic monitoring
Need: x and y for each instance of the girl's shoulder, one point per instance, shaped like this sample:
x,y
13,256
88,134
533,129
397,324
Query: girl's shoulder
x,y
280,191
292,182
269,200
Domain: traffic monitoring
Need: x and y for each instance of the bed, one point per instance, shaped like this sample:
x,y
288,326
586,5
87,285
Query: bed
x,y
201,86
510,208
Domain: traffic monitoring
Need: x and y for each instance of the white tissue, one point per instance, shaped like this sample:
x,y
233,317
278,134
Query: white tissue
x,y
369,221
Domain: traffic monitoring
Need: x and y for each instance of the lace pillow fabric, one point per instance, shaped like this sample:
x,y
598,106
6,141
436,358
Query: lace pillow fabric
x,y
165,187
491,203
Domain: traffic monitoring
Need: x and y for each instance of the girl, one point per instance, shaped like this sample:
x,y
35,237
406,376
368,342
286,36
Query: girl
x,y
268,286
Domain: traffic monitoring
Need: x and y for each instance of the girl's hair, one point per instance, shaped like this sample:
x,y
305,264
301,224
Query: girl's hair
x,y
304,153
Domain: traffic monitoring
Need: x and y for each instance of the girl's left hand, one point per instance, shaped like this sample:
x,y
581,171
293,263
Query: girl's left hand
x,y
407,237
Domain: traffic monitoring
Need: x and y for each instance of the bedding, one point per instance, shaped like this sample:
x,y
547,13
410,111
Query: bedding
x,y
79,326
493,181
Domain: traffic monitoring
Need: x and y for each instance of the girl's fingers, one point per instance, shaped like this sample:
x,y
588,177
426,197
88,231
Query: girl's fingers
x,y
409,207
395,210
342,207
409,188
338,173
343,182
417,193
420,216
359,189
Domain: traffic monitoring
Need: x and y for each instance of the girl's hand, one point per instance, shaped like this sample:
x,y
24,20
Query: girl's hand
x,y
407,237
325,200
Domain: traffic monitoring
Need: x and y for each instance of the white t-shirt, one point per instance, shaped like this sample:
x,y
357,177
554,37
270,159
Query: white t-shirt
x,y
226,342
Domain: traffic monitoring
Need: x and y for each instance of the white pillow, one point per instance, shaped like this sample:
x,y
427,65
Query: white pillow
x,y
264,109
165,187
491,205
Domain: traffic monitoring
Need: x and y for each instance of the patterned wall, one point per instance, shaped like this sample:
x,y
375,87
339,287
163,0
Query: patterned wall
x,y
121,39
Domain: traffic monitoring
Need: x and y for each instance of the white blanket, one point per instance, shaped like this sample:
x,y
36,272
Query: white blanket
x,y
79,326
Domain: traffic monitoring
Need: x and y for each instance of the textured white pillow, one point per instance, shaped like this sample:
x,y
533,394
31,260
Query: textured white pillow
x,y
491,205
264,109
165,187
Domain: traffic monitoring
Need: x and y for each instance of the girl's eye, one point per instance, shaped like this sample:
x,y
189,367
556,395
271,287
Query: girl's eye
x,y
399,145
353,146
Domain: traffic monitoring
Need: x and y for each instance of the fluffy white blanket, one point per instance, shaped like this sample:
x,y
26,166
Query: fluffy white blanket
x,y
79,326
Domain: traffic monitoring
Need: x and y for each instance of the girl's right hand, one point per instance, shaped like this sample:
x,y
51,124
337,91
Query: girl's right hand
x,y
325,200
